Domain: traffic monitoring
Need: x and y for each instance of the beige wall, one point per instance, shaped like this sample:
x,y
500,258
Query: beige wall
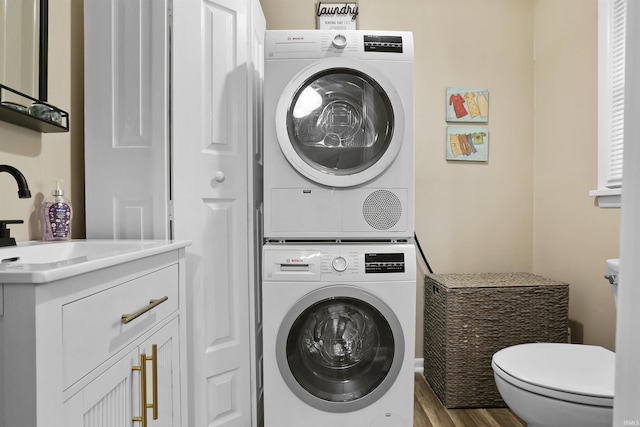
x,y
572,237
45,157
528,208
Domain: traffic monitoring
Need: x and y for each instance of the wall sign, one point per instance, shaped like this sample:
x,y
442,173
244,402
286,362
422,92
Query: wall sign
x,y
467,105
467,143
337,16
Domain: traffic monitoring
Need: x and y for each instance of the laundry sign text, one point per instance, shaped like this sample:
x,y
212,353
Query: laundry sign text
x,y
337,16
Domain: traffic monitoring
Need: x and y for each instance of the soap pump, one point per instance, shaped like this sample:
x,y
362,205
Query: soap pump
x,y
56,215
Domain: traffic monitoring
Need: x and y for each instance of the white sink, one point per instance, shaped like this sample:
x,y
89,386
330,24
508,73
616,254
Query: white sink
x,y
40,262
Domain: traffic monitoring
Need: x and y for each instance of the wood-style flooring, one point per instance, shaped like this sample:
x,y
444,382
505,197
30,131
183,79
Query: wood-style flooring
x,y
428,411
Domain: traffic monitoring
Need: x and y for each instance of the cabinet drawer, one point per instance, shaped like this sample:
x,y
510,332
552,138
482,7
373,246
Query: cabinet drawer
x,y
92,328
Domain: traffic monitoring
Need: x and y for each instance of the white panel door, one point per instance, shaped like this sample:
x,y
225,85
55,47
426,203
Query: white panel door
x,y
126,118
211,205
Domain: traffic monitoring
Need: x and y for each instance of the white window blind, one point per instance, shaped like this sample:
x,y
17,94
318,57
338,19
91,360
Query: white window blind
x,y
616,63
612,23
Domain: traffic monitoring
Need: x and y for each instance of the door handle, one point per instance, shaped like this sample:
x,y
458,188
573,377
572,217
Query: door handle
x,y
219,176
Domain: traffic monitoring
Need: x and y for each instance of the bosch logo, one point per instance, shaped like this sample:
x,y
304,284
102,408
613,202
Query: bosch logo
x,y
295,260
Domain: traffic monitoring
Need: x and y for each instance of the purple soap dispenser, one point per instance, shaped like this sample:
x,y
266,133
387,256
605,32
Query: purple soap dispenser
x,y
56,215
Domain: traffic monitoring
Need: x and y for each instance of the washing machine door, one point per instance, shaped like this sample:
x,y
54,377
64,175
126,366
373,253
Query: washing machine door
x,y
340,122
339,349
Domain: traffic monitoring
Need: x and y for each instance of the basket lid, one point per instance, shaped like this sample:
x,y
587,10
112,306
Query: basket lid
x,y
574,368
491,280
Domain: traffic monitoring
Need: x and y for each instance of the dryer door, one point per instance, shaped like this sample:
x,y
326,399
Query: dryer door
x,y
340,122
340,349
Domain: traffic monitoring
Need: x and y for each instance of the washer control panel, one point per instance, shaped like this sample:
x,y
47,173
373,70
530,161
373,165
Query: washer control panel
x,y
338,263
374,262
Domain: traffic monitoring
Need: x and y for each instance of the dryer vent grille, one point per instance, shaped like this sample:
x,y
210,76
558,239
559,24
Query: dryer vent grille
x,y
382,209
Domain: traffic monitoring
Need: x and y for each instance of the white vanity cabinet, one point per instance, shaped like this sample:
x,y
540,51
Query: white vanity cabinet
x,y
70,359
114,398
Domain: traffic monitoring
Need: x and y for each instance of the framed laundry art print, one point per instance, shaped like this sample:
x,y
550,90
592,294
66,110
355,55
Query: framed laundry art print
x,y
337,16
468,143
467,105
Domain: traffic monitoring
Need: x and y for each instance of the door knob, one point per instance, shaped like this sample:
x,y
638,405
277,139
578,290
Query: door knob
x,y
219,176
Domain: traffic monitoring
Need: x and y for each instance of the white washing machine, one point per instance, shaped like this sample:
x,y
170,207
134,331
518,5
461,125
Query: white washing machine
x,y
338,135
339,334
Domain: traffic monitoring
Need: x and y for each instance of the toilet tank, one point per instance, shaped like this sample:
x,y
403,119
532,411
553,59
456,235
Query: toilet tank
x,y
613,273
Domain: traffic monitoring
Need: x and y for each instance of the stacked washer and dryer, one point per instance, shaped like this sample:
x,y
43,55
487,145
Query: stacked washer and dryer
x,y
339,265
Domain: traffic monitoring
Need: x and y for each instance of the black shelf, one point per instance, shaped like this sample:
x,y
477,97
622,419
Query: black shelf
x,y
30,121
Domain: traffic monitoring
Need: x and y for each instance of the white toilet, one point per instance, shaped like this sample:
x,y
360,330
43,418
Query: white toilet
x,y
559,385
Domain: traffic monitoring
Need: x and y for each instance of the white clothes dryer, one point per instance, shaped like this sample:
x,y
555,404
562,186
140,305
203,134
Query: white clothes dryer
x,y
339,334
338,135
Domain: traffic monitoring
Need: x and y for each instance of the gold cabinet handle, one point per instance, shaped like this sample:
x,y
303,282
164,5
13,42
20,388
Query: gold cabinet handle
x,y
126,318
143,390
154,378
144,406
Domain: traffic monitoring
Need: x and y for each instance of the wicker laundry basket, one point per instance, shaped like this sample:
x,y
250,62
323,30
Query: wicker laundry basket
x,y
468,317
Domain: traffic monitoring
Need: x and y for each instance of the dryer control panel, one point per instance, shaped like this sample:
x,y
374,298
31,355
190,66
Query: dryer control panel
x,y
360,44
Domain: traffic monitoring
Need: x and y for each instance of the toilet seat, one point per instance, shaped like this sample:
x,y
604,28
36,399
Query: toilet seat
x,y
576,373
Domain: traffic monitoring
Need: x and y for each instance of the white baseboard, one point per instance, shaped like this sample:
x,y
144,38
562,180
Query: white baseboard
x,y
419,365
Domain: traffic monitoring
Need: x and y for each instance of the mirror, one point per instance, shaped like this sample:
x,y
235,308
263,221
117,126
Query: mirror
x,y
23,46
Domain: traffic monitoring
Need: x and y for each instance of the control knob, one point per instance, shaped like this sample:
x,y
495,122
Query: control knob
x,y
339,264
339,41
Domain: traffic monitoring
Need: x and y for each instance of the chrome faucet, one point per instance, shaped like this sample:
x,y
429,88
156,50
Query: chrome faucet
x,y
23,193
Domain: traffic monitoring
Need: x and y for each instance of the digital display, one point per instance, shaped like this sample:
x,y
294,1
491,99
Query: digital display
x,y
384,263
383,44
